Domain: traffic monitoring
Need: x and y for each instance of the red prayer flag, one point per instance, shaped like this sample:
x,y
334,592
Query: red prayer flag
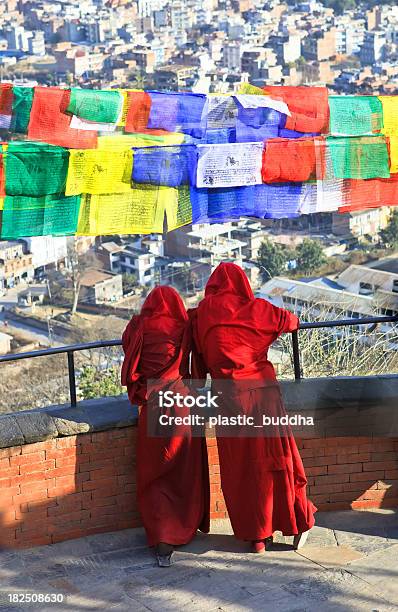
x,y
361,194
309,107
50,123
6,97
301,159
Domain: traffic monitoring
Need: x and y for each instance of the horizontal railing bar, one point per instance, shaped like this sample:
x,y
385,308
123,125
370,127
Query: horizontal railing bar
x,y
72,348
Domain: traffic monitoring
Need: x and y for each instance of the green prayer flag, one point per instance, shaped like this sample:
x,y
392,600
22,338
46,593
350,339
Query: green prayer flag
x,y
95,105
21,107
45,216
35,169
359,158
355,115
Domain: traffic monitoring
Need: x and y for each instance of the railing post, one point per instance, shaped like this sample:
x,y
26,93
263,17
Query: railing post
x,y
296,355
72,379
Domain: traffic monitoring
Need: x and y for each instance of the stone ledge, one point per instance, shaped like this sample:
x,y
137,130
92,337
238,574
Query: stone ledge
x,y
360,406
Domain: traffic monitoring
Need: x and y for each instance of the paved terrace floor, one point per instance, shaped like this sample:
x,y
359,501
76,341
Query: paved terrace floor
x,y
350,562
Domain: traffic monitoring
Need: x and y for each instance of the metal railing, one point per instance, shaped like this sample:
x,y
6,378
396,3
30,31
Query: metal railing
x,y
71,349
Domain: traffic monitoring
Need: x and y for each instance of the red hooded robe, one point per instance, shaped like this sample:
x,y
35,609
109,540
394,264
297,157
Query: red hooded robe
x,y
262,478
172,472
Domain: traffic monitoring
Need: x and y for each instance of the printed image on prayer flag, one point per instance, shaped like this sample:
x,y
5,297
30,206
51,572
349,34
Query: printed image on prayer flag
x,y
45,216
355,115
21,107
96,171
390,115
140,211
6,98
360,157
50,122
35,169
287,160
308,106
220,112
100,106
165,165
229,165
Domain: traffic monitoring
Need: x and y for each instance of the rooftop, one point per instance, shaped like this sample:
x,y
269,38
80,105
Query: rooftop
x,y
348,563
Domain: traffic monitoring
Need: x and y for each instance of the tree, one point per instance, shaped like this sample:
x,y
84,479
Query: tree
x,y
95,383
309,256
129,282
389,235
272,259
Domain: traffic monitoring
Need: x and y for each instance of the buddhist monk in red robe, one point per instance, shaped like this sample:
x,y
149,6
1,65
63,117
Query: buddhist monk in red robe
x,y
262,475
172,472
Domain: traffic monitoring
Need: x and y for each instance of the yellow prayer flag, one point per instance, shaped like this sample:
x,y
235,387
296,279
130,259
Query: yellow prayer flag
x,y
393,154
1,203
124,142
141,211
94,171
179,213
390,115
246,88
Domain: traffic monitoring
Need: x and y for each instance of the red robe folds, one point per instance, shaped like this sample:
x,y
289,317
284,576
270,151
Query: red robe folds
x,y
262,478
172,473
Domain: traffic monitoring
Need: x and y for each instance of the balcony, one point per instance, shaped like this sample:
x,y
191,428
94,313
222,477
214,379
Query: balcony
x,y
67,473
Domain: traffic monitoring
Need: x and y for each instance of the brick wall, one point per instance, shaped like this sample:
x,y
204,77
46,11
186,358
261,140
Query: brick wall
x,y
70,487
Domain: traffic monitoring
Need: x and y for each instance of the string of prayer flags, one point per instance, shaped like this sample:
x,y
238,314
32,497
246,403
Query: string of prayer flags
x,y
229,165
308,106
166,165
360,157
35,169
100,106
355,115
6,98
54,215
49,122
21,108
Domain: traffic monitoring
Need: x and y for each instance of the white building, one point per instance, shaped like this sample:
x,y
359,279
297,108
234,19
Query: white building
x,y
46,250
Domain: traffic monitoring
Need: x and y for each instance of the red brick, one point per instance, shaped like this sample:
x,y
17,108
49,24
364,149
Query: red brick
x,y
102,473
44,485
333,506
218,515
324,460
10,452
380,465
330,478
5,483
105,492
366,476
345,450
391,474
101,502
344,468
10,472
384,456
72,460
39,466
29,458
96,465
62,453
317,470
38,446
7,494
314,443
359,486
353,458
326,488
317,499
67,442
92,485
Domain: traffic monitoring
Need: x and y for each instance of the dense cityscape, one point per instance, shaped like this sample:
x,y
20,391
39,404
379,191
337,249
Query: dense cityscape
x,y
54,290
